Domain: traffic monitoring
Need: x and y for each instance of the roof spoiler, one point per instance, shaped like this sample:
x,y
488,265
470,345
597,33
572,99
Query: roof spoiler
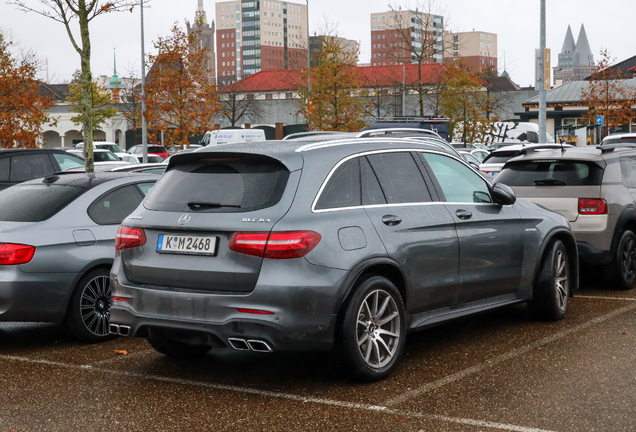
x,y
611,147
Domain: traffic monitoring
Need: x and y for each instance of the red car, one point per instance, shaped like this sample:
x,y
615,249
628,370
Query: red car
x,y
152,149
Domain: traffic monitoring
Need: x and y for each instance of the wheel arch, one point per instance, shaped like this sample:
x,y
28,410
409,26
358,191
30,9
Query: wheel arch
x,y
374,267
627,220
104,263
568,240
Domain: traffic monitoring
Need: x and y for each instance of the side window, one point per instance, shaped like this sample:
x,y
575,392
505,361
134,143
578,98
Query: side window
x,y
28,167
5,163
115,206
371,190
67,161
459,183
628,171
343,188
145,187
400,178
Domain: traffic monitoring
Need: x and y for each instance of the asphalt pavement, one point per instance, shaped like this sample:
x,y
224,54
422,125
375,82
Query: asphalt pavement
x,y
499,371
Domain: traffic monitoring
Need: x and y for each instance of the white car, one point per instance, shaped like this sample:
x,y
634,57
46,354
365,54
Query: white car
x,y
105,145
137,159
102,157
494,162
622,138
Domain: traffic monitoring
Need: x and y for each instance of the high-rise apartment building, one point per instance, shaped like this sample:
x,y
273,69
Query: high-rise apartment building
x,y
206,36
259,35
317,42
476,48
393,33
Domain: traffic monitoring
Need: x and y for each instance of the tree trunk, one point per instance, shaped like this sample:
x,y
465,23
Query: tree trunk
x,y
87,88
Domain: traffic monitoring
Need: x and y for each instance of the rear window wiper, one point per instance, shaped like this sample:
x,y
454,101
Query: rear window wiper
x,y
198,205
549,182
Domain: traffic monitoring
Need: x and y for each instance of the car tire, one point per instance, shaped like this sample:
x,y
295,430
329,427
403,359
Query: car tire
x,y
371,332
622,271
88,315
173,348
552,287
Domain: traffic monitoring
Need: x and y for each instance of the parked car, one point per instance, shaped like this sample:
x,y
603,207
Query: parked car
x,y
57,244
480,154
101,157
594,188
493,163
104,145
152,149
150,168
468,157
229,136
343,245
18,165
623,138
137,159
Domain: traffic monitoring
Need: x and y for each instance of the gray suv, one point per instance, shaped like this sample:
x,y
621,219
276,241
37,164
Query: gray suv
x,y
344,245
594,188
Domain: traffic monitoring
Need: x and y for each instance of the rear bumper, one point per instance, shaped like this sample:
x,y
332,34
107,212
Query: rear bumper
x,y
303,300
34,297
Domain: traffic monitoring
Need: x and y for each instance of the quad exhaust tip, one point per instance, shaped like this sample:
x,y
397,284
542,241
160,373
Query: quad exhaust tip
x,y
250,344
117,329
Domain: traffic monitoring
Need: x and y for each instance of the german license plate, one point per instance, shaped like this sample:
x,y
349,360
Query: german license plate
x,y
189,245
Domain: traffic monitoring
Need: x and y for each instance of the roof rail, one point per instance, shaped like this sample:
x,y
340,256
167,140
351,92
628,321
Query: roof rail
x,y
311,133
408,119
533,147
611,147
403,131
325,144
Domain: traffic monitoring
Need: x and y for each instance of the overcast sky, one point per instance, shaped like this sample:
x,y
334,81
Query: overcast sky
x,y
516,22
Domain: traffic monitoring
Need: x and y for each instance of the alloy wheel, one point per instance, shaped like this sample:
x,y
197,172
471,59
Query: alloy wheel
x,y
95,305
561,279
628,260
378,328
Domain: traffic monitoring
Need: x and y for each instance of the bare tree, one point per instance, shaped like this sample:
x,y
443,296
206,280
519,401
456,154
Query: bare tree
x,y
497,100
239,105
67,12
420,34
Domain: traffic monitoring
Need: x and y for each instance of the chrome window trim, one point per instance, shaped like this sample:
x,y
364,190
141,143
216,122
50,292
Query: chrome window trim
x,y
371,152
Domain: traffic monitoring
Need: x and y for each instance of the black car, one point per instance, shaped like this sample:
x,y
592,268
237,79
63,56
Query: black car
x,y
18,165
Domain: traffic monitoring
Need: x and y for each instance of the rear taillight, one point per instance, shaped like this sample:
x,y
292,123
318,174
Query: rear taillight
x,y
592,206
128,237
275,245
12,254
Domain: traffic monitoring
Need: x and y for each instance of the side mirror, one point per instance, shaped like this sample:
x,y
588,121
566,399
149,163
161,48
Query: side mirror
x,y
502,194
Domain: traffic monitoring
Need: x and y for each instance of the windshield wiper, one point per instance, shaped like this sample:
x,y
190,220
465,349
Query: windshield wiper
x,y
198,205
549,182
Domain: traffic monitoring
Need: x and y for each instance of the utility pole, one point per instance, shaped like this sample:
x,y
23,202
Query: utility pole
x,y
308,52
542,91
144,125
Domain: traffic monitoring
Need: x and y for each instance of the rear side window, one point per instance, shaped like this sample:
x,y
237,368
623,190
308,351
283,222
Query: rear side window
x,y
343,188
5,163
400,178
628,171
30,166
500,157
35,203
66,161
105,157
115,206
551,173
459,183
223,184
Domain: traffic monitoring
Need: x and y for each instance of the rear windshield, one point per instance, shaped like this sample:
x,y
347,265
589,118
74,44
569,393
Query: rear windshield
x,y
625,140
551,173
35,202
500,157
158,149
220,185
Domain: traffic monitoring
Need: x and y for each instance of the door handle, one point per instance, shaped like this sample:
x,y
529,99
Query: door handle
x,y
463,214
391,220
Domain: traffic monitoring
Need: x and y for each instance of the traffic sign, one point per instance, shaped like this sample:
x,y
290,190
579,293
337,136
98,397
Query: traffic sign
x,y
600,120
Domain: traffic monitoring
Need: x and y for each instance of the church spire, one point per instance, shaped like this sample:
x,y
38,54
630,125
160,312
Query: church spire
x,y
200,16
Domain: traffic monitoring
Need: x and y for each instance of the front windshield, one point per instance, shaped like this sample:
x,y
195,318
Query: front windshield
x,y
111,147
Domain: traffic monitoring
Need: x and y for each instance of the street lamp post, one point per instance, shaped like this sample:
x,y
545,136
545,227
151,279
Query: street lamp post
x,y
308,51
144,125
542,91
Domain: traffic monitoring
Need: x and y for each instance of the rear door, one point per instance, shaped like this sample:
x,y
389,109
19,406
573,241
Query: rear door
x,y
491,236
417,231
192,213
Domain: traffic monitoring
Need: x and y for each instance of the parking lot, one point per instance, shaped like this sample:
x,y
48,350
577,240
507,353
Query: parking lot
x,y
496,371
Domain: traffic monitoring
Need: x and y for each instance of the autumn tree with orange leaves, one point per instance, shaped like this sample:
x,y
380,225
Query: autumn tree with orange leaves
x,y
84,11
336,99
22,106
180,101
609,95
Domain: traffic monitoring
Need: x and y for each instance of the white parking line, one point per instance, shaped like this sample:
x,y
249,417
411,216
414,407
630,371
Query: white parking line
x,y
502,358
265,393
604,297
122,357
